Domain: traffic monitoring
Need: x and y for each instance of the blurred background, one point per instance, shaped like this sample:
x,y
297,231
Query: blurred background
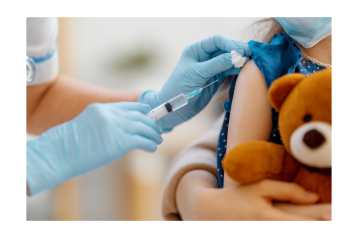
x,y
130,54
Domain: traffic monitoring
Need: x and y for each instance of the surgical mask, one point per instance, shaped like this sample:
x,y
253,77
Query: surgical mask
x,y
307,31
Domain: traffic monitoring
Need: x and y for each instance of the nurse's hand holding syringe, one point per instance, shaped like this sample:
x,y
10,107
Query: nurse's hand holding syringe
x,y
201,63
105,132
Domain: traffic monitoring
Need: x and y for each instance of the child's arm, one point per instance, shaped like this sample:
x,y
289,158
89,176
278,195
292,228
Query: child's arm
x,y
198,199
250,117
199,156
191,190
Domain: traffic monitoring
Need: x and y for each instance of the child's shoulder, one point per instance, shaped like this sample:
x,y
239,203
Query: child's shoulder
x,y
280,42
276,58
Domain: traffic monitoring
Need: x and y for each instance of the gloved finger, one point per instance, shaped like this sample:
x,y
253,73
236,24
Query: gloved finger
x,y
215,54
215,66
142,143
286,191
231,71
218,42
137,116
140,128
130,106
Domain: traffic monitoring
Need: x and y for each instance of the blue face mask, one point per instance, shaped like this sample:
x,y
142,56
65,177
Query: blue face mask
x,y
307,31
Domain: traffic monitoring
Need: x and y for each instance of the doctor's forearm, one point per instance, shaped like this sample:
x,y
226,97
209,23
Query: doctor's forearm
x,y
63,99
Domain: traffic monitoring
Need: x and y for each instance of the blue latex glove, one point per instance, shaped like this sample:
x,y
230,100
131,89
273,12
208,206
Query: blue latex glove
x,y
98,136
200,64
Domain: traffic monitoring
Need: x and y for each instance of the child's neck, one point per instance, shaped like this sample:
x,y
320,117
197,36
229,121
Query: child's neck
x,y
321,51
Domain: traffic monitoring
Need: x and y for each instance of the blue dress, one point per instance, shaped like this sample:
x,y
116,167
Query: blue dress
x,y
275,59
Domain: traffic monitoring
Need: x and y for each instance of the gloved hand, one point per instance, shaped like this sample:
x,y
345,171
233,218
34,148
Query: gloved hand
x,y
200,64
99,135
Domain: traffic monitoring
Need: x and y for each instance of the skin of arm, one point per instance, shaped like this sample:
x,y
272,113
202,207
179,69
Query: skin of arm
x,y
199,198
63,98
250,117
188,192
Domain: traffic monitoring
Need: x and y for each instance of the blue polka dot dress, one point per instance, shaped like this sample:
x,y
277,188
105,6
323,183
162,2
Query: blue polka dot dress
x,y
287,58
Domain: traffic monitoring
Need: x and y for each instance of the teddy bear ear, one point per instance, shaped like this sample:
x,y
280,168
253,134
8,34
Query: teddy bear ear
x,y
281,88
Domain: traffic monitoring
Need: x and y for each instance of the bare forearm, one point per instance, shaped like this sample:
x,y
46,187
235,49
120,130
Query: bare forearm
x,y
63,99
187,192
250,111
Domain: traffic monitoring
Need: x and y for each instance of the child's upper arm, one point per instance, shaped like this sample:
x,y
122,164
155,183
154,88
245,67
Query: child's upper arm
x,y
250,117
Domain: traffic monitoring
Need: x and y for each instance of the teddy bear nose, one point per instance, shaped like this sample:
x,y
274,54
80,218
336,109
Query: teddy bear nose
x,y
313,139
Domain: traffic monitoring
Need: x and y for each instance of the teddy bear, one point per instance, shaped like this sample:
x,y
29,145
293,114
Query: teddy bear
x,y
304,106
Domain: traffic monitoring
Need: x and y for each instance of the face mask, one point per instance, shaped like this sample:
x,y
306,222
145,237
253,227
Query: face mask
x,y
307,31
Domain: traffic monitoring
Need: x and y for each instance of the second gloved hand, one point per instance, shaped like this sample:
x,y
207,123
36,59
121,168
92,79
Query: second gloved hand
x,y
99,135
200,64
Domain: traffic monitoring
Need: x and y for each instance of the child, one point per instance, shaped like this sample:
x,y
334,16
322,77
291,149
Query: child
x,y
250,110
190,191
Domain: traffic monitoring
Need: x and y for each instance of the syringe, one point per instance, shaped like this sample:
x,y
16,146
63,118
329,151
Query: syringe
x,y
173,104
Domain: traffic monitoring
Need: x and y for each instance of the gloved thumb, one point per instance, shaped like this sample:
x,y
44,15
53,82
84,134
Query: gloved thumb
x,y
215,65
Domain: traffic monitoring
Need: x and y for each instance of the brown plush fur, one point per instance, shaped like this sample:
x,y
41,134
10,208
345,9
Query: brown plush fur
x,y
294,96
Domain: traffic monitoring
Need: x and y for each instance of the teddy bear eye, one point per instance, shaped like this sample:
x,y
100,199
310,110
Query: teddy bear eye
x,y
307,118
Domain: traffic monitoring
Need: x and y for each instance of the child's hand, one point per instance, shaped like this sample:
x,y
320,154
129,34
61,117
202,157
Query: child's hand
x,y
321,211
251,201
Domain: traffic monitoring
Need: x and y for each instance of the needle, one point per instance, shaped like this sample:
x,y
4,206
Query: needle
x,y
209,84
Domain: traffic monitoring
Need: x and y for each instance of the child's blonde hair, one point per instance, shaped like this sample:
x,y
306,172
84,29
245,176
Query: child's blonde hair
x,y
265,29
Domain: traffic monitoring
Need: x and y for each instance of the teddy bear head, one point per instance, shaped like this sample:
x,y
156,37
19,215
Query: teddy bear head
x,y
304,106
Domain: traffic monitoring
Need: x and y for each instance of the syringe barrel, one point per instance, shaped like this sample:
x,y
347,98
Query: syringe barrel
x,y
158,112
168,107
